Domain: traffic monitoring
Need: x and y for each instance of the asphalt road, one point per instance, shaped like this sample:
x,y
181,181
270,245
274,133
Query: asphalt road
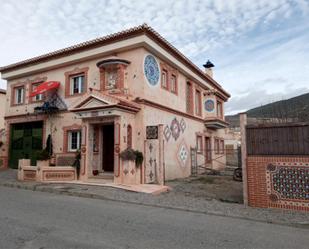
x,y
40,220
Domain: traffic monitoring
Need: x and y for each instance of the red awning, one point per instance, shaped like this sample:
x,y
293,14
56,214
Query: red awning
x,y
44,87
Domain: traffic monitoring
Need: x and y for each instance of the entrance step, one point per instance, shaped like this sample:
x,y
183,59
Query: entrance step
x,y
103,176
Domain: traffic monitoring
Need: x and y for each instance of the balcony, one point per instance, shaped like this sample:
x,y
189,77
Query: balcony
x,y
216,123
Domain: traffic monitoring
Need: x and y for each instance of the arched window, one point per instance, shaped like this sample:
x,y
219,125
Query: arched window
x,y
129,136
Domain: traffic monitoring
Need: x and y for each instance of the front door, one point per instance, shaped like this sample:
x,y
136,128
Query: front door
x,y
108,148
25,142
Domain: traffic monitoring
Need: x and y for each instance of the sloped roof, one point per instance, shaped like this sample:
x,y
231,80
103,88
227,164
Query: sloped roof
x,y
123,35
105,99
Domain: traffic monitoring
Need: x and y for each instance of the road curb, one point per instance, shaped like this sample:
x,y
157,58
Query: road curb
x,y
45,189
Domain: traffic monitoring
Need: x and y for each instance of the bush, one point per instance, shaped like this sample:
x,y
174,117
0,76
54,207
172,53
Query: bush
x,y
132,155
139,158
128,155
42,155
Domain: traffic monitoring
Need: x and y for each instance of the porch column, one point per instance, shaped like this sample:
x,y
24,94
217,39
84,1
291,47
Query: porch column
x,y
84,152
161,173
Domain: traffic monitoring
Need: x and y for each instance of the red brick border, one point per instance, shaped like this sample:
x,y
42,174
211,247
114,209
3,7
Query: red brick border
x,y
257,185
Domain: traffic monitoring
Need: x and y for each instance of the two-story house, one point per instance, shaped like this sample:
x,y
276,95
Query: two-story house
x,y
128,89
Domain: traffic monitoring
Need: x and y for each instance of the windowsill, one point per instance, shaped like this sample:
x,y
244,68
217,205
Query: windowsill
x,y
18,104
74,95
36,101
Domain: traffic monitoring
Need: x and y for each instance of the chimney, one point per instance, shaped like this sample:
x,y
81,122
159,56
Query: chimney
x,y
208,68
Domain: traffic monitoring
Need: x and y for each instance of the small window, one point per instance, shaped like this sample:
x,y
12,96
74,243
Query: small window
x,y
198,103
189,98
217,146
219,109
199,144
164,79
222,146
38,97
173,84
19,95
74,140
77,84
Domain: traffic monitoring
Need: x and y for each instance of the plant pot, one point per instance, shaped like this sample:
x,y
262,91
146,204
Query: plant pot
x,y
42,163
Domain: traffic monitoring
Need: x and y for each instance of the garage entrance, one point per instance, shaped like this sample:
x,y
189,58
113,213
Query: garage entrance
x,y
26,139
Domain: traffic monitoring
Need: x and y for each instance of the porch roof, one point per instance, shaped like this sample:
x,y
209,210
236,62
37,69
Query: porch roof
x,y
95,101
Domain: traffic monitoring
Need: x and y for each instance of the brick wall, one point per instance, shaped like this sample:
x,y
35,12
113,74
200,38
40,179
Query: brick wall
x,y
278,182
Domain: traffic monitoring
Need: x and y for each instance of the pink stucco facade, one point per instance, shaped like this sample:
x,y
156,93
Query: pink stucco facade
x,y
129,103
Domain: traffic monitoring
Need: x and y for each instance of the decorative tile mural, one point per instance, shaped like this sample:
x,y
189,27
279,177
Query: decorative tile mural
x,y
167,133
209,105
288,183
174,129
152,132
183,154
151,70
151,161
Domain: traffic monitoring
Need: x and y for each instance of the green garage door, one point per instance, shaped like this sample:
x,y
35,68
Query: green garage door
x,y
25,141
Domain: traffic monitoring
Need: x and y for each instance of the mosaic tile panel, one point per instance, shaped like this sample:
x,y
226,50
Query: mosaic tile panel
x,y
151,70
209,105
183,154
288,183
151,161
175,129
152,132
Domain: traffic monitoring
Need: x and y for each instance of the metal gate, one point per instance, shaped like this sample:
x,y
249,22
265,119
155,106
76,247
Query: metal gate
x,y
202,162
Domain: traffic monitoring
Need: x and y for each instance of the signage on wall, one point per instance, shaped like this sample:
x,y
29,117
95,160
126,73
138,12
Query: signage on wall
x,y
209,105
151,132
151,70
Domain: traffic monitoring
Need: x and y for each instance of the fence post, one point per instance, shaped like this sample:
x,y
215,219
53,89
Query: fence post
x,y
243,123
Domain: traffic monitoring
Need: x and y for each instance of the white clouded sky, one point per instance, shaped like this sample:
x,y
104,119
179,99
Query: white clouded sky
x,y
260,47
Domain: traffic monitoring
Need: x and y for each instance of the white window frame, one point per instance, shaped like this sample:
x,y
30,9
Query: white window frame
x,y
20,90
80,82
37,97
78,140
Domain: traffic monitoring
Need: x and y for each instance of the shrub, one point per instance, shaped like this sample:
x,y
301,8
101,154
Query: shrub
x,y
42,155
132,155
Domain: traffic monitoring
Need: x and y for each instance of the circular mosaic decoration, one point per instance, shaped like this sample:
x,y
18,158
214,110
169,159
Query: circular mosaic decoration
x,y
151,70
209,105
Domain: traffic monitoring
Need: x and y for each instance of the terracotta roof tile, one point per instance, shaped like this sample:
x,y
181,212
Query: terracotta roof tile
x,y
125,34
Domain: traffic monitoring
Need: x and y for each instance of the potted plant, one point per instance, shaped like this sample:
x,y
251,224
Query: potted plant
x,y
132,155
139,158
42,158
133,159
